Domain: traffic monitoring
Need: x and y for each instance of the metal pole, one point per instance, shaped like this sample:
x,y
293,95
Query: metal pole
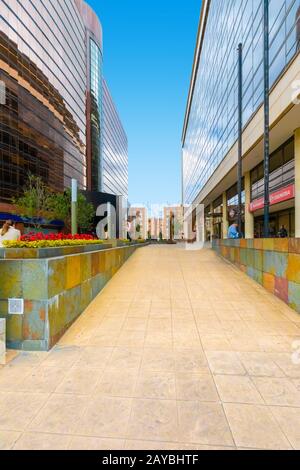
x,y
74,207
240,131
266,121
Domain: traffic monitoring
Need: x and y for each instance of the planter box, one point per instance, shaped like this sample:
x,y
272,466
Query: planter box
x,y
55,290
120,243
2,341
42,253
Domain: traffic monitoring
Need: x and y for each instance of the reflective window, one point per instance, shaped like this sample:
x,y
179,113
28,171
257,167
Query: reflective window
x,y
282,170
43,46
212,127
115,149
96,114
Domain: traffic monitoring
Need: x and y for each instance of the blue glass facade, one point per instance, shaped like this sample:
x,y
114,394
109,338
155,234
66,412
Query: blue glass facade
x,y
211,126
115,149
52,121
96,115
43,119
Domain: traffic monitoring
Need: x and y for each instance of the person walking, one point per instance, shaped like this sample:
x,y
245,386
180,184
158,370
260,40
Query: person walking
x,y
9,233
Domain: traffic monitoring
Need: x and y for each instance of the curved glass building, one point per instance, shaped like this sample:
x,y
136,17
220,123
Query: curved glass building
x,y
51,111
94,106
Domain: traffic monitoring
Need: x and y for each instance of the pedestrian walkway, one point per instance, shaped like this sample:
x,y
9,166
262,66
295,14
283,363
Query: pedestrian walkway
x,y
180,351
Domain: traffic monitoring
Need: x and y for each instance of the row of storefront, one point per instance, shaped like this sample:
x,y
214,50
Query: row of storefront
x,y
220,214
210,147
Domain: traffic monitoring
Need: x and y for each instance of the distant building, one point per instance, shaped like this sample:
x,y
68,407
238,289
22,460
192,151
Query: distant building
x,y
155,227
139,222
177,211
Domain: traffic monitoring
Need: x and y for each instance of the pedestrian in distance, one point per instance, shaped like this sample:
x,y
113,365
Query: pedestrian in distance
x,y
233,231
283,233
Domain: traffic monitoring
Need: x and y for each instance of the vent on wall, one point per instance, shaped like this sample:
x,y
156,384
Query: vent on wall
x,y
15,306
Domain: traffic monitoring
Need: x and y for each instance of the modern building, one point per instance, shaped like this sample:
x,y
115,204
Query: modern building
x,y
93,90
155,227
57,119
177,213
210,133
139,218
115,149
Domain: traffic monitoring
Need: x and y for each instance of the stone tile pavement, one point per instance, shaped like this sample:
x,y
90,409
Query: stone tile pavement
x,y
179,351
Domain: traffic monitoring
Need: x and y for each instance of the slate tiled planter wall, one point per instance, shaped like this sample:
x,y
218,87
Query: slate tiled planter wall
x,y
2,341
31,253
273,263
55,292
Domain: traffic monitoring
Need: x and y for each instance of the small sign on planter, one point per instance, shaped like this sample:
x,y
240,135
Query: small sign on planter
x,y
16,306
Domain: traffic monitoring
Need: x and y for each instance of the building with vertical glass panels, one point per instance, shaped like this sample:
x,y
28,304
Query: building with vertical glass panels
x,y
115,149
209,140
52,118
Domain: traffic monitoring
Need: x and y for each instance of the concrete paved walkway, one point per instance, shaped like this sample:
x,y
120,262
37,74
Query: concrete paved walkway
x,y
180,351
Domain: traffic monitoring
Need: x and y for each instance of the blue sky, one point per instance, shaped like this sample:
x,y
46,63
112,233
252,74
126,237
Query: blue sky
x,y
148,55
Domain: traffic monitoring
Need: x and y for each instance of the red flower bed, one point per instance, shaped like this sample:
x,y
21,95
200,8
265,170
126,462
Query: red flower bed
x,y
35,237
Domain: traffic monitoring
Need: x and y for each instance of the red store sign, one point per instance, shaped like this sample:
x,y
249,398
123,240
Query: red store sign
x,y
284,194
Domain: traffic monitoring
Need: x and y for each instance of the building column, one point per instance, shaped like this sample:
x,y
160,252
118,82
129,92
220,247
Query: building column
x,y
225,216
211,222
249,217
297,183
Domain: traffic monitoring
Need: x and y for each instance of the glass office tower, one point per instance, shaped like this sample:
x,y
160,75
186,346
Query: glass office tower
x,y
43,66
211,122
115,149
96,115
52,119
94,106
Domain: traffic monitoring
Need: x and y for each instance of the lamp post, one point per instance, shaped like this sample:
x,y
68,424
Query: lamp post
x,y
240,132
266,121
74,207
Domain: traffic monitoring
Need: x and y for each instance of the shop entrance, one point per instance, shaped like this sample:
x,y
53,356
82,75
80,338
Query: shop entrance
x,y
277,219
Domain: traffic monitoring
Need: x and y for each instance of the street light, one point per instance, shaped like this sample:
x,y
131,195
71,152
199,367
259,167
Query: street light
x,y
240,131
266,121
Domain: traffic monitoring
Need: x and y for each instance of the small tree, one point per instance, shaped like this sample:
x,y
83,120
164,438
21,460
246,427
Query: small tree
x,y
34,201
61,208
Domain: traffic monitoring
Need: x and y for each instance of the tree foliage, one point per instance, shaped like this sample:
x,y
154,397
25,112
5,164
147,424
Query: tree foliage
x,y
61,205
34,202
37,202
